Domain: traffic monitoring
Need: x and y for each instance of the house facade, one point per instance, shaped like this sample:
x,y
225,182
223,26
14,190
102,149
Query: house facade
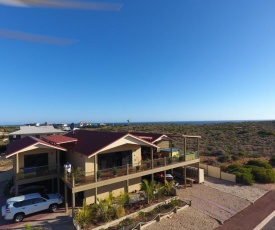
x,y
101,161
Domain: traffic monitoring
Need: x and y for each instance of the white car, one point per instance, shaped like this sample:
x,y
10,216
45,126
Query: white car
x,y
18,207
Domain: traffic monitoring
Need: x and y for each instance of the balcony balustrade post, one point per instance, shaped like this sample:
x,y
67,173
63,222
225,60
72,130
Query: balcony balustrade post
x,y
73,179
127,169
164,161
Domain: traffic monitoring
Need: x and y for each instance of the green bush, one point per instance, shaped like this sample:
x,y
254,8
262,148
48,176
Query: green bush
x,y
244,177
272,160
235,157
259,163
224,158
263,175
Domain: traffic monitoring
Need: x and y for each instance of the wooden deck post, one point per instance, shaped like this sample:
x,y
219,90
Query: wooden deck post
x,y
73,203
152,158
184,148
66,197
184,176
95,167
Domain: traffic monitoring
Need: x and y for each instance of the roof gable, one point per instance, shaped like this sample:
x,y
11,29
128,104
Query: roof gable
x,y
28,143
92,142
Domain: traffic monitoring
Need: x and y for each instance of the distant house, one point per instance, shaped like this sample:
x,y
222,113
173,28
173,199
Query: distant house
x,y
35,131
110,161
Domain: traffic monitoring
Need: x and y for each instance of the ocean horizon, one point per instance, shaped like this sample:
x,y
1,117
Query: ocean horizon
x,y
184,122
161,122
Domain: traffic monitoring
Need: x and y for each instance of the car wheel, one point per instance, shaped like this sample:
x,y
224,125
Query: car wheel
x,y
53,207
19,217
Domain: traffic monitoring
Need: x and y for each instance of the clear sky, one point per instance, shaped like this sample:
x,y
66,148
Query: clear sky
x,y
147,60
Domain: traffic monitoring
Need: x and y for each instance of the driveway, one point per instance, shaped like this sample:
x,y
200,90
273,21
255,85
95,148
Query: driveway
x,y
49,221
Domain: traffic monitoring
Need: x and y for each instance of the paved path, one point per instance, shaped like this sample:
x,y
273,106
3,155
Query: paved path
x,y
253,215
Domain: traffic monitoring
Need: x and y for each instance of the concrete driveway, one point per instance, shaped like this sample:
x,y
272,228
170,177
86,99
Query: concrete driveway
x,y
49,221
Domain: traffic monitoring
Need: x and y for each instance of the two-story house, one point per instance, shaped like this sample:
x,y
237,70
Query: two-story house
x,y
101,161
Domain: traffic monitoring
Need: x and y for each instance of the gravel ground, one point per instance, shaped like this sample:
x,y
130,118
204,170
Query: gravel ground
x,y
212,203
189,218
251,193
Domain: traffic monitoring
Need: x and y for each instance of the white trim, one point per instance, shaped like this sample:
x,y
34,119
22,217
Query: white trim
x,y
127,141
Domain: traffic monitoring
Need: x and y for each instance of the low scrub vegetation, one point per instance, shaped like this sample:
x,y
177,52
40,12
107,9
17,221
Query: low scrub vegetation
x,y
253,171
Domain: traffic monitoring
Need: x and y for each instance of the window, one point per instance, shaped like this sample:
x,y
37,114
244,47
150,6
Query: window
x,y
27,202
38,200
36,160
17,204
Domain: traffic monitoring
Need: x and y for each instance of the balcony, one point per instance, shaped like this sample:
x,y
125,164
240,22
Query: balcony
x,y
34,172
128,171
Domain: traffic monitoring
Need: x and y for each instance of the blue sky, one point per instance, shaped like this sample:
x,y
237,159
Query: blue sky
x,y
147,60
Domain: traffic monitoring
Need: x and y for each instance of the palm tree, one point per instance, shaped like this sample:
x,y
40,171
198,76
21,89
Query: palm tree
x,y
148,188
168,185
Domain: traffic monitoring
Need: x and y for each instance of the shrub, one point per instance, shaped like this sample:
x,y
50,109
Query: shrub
x,y
272,160
263,175
235,157
83,215
224,158
259,163
244,177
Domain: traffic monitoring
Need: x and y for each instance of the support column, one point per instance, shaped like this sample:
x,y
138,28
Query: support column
x,y
184,177
58,185
152,157
16,173
58,161
66,198
95,166
95,194
52,185
127,186
184,148
198,147
198,176
73,203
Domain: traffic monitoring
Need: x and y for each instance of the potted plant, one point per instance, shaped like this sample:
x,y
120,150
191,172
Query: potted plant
x,y
77,173
138,167
114,169
148,164
181,158
98,174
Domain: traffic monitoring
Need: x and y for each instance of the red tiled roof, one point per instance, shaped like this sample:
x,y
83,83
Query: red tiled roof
x,y
25,142
59,139
90,142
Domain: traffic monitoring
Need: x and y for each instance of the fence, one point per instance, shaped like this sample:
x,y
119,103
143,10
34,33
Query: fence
x,y
217,173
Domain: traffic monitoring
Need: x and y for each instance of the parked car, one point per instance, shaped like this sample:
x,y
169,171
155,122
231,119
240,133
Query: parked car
x,y
25,189
160,177
18,207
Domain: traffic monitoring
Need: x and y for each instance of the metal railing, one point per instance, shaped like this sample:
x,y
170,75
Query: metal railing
x,y
32,172
81,178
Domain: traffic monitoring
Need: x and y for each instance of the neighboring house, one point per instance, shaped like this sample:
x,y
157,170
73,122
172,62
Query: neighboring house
x,y
111,161
35,131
